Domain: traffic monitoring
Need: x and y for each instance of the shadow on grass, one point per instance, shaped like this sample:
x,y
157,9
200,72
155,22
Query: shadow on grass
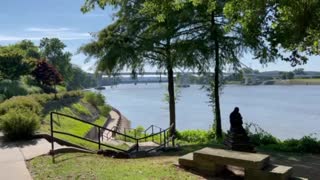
x,y
187,148
59,104
62,157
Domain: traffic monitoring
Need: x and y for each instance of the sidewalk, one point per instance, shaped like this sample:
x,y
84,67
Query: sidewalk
x,y
14,154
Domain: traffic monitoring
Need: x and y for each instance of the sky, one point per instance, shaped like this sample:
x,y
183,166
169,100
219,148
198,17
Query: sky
x,y
36,19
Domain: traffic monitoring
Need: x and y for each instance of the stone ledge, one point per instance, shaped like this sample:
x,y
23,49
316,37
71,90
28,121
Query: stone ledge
x,y
227,157
274,172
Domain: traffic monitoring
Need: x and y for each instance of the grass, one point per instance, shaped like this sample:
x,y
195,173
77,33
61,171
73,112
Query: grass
x,y
81,109
92,166
305,81
100,121
314,81
88,166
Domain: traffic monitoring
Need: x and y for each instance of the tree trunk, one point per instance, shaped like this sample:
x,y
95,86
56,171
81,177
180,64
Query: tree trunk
x,y
216,79
172,108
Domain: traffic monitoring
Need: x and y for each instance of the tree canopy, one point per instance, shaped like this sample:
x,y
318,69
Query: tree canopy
x,y
53,50
13,64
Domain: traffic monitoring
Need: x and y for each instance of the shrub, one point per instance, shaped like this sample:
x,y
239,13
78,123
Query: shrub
x,y
309,144
196,136
12,88
94,99
19,123
258,136
26,103
104,110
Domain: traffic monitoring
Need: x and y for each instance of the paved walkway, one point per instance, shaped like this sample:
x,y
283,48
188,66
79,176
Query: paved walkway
x,y
107,135
14,154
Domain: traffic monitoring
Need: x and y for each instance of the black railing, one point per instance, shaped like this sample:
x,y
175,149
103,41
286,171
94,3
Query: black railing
x,y
114,131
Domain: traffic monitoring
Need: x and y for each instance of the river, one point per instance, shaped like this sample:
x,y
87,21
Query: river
x,y
284,111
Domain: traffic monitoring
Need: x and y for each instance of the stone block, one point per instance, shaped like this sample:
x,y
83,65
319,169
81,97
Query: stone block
x,y
274,172
202,166
234,158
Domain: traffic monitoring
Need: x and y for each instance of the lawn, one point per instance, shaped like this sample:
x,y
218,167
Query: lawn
x,y
91,166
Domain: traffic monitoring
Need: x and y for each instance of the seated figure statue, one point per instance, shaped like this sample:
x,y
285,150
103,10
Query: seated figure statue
x,y
236,121
237,138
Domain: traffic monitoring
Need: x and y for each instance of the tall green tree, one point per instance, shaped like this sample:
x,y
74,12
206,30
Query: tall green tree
x,y
153,32
53,50
224,46
284,29
29,49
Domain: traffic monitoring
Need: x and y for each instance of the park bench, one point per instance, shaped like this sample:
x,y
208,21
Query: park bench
x,y
211,161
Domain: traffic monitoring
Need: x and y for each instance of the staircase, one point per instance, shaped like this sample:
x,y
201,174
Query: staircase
x,y
114,138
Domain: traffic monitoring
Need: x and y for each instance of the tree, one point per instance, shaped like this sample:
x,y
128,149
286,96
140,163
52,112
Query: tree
x,y
80,79
52,50
47,74
279,28
12,64
290,75
153,32
30,51
299,71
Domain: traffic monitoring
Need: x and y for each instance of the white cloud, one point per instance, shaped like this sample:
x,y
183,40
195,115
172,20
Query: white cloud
x,y
43,30
36,33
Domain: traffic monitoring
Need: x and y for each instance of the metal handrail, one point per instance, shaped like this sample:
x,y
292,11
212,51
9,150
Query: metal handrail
x,y
92,124
99,134
114,128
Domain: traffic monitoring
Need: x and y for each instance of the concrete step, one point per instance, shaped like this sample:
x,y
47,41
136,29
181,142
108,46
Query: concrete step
x,y
203,167
187,161
273,171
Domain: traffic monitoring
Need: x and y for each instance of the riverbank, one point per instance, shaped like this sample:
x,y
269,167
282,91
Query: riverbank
x,y
298,82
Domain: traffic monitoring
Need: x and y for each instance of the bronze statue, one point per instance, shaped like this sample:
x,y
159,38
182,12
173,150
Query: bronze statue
x,y
237,138
236,121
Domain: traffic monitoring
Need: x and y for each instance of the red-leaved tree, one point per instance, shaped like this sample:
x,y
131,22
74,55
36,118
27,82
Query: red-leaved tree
x,y
47,74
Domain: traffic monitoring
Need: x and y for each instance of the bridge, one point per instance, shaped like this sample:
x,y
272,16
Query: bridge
x,y
147,77
250,78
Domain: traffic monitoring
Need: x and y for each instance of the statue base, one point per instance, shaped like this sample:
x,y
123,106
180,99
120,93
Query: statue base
x,y
238,142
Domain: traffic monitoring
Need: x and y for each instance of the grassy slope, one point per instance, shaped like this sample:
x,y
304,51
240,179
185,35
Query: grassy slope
x,y
76,108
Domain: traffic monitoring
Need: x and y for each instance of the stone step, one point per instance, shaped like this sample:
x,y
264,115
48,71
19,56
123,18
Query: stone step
x,y
273,171
298,178
234,158
187,161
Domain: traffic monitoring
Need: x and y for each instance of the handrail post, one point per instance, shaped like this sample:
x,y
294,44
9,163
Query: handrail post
x,y
160,136
99,138
164,139
152,133
137,145
52,139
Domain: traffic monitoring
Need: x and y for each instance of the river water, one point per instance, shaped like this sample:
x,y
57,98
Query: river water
x,y
284,111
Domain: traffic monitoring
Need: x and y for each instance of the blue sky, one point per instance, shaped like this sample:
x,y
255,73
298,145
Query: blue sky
x,y
35,19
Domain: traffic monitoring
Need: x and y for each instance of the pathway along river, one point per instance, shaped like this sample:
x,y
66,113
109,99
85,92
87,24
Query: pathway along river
x,y
284,111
